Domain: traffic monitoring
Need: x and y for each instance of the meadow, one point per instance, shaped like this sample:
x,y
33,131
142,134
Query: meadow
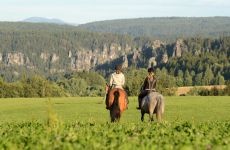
x,y
84,123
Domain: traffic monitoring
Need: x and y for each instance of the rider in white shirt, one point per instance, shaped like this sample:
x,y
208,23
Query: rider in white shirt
x,y
117,79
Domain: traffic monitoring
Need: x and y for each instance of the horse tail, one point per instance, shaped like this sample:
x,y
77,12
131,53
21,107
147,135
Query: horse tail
x,y
116,99
160,107
160,104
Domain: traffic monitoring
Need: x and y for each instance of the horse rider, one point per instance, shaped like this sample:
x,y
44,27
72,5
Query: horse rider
x,y
148,86
117,80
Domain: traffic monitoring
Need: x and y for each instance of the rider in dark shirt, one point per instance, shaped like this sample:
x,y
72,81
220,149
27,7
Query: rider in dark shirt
x,y
148,86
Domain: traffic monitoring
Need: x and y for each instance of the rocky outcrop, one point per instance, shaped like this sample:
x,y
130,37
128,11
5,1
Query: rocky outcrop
x,y
152,62
14,59
164,58
45,56
112,54
125,62
128,48
81,60
150,54
69,54
86,59
54,58
179,47
157,44
136,55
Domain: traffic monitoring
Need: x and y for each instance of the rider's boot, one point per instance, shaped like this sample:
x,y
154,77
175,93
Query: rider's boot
x,y
139,103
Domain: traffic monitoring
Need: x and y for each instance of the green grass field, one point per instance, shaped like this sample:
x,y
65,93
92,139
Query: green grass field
x,y
83,123
194,109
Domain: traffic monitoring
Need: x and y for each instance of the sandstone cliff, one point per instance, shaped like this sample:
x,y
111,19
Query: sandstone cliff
x,y
81,59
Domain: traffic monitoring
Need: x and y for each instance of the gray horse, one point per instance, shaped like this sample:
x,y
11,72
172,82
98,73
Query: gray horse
x,y
153,103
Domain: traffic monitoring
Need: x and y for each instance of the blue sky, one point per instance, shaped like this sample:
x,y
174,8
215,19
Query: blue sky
x,y
83,11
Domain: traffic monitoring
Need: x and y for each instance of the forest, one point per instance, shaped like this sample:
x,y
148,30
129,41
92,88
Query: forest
x,y
24,64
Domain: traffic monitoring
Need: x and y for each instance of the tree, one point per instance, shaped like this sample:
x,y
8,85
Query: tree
x,y
134,80
198,79
74,86
208,77
219,80
187,79
179,78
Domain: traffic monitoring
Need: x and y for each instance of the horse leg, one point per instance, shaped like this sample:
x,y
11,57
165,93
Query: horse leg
x,y
111,116
158,115
151,116
142,116
118,117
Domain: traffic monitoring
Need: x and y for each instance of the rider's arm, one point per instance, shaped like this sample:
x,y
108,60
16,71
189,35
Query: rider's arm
x,y
144,84
111,80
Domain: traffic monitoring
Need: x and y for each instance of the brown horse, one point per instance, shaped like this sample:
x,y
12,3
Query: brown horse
x,y
116,102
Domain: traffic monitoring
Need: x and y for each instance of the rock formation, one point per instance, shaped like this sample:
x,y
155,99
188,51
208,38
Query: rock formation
x,y
152,62
44,56
14,59
179,48
157,44
164,58
54,58
125,62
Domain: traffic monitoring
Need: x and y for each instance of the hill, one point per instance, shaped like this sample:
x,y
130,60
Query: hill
x,y
44,20
49,48
164,28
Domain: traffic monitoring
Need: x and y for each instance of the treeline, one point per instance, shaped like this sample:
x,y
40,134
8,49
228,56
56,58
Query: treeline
x,y
164,28
92,84
30,87
81,84
211,92
60,85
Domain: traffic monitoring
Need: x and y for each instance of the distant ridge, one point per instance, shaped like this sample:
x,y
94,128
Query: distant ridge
x,y
164,27
44,20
